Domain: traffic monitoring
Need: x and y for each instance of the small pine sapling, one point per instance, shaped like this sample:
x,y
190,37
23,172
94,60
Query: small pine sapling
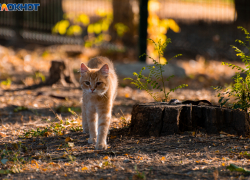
x,y
240,89
155,78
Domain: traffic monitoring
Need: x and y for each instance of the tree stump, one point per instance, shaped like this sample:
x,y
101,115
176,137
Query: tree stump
x,y
159,119
61,71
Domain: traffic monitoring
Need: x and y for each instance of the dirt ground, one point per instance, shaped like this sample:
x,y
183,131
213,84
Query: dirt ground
x,y
69,156
42,139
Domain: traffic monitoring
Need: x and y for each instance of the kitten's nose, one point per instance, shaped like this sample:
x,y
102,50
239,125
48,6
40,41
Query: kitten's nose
x,y
92,90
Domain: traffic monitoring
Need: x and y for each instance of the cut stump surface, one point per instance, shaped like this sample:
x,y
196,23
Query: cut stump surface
x,y
160,118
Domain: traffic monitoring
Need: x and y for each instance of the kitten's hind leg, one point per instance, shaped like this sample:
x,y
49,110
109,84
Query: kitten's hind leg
x,y
84,119
92,120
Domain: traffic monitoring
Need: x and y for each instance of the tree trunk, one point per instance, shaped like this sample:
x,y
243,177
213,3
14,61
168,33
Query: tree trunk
x,y
242,8
123,13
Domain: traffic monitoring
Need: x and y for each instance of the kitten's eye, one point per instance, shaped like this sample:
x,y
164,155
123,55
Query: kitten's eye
x,y
87,83
98,83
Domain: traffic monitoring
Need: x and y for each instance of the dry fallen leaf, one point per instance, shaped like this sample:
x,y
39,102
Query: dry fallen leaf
x,y
64,155
68,139
2,134
44,169
47,134
35,163
112,137
84,168
106,157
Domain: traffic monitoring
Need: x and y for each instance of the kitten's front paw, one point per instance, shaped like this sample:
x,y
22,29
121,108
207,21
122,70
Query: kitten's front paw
x,y
101,147
92,140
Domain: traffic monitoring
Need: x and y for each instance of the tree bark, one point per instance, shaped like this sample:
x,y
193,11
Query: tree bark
x,y
123,13
159,119
61,71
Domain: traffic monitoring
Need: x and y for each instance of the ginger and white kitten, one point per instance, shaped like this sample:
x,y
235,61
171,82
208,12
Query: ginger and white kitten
x,y
99,84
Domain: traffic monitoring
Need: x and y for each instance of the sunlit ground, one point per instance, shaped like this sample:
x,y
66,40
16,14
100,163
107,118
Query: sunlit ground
x,y
191,10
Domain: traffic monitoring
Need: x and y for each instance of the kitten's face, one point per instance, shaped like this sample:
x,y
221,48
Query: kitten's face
x,y
94,81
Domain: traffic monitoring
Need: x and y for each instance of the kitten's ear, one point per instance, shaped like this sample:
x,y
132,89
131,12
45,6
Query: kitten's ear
x,y
84,69
105,70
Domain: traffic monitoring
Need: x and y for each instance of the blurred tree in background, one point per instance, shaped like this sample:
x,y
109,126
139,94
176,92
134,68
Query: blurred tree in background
x,y
242,8
123,13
